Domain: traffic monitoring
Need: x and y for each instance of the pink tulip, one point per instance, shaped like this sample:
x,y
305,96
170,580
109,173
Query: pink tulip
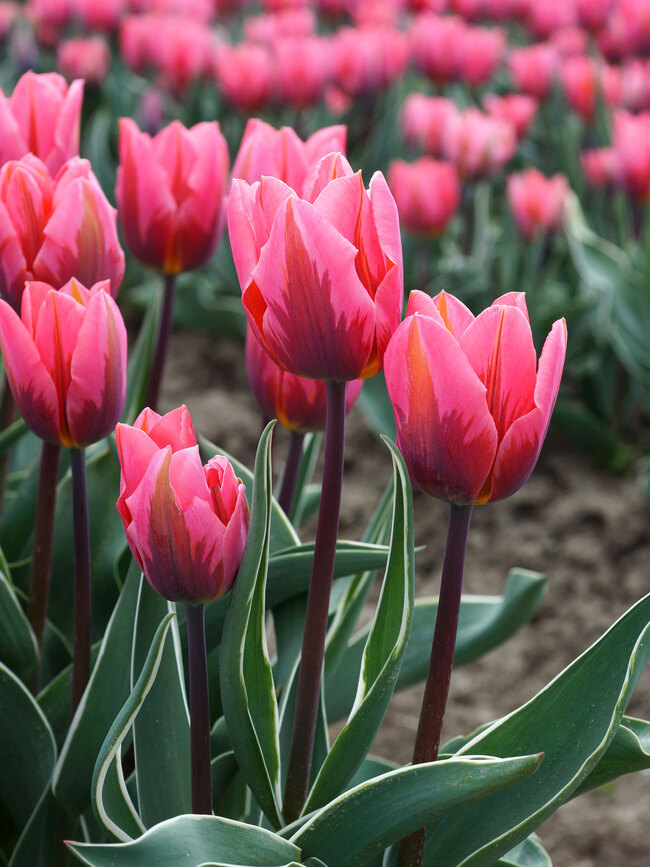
x,y
601,166
55,229
471,404
516,108
478,144
303,69
480,54
245,74
170,193
186,524
298,403
427,194
537,202
368,59
593,14
424,120
534,68
321,275
41,117
88,58
282,154
437,44
65,358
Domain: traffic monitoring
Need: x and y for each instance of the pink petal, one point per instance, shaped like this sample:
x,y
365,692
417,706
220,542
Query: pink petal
x,y
456,316
513,299
66,132
135,450
187,478
325,141
444,429
175,429
386,219
12,143
13,267
332,166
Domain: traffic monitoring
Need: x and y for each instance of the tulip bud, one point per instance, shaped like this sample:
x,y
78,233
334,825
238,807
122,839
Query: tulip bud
x,y
65,358
427,194
537,202
186,524
471,404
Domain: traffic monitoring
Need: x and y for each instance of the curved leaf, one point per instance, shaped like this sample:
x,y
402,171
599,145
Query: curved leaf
x,y
363,822
41,844
247,688
18,647
629,751
383,652
528,853
572,721
191,841
111,801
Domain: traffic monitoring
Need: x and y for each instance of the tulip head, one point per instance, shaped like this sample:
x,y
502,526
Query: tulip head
x,y
65,358
170,191
427,193
471,403
321,276
186,524
537,202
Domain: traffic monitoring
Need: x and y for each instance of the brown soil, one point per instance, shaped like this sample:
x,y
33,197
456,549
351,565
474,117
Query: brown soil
x,y
587,530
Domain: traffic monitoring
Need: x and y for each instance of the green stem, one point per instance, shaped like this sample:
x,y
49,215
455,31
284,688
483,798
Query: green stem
x,y
427,741
39,580
162,343
313,645
82,582
199,711
290,475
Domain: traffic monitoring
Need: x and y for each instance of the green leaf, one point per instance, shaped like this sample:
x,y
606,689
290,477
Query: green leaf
x,y
528,853
141,356
10,435
376,406
191,841
27,748
383,652
247,688
484,623
107,690
111,801
41,843
18,647
629,751
307,496
572,721
161,731
365,821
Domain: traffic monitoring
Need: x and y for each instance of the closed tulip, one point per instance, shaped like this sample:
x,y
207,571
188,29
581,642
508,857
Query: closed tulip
x,y
54,229
321,276
65,358
537,202
170,191
41,117
427,193
471,403
297,402
186,524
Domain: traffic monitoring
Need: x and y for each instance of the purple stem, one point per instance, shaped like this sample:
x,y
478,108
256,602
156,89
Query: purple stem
x,y
290,475
199,711
82,583
313,644
162,343
427,741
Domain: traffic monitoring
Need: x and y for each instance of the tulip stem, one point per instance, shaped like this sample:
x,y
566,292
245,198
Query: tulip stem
x,y
199,711
39,580
290,475
313,643
434,702
82,583
162,343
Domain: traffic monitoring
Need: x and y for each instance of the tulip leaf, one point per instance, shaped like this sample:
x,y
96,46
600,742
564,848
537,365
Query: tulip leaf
x,y
528,853
107,690
383,652
307,496
247,687
484,623
629,751
572,721
54,699
191,841
18,647
111,801
161,730
41,844
10,435
27,748
363,822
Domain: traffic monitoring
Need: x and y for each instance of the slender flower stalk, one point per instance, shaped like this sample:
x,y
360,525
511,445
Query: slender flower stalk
x,y
436,690
313,646
199,712
162,342
291,469
39,582
82,583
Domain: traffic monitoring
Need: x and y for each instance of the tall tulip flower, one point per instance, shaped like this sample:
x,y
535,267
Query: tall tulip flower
x,y
41,117
186,525
54,229
321,278
472,408
170,194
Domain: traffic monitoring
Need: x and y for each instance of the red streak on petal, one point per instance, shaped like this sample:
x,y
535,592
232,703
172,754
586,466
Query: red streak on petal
x,y
493,379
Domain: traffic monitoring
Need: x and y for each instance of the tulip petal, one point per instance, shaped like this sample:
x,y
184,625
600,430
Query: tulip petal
x,y
173,429
499,346
97,372
388,303
457,317
66,131
234,539
331,166
135,450
31,383
386,219
13,266
315,317
187,478
444,429
12,143
513,299
520,448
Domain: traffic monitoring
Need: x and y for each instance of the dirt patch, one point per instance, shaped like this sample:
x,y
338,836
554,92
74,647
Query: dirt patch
x,y
587,530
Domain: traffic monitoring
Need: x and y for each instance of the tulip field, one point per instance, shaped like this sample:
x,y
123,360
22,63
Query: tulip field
x,y
324,433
